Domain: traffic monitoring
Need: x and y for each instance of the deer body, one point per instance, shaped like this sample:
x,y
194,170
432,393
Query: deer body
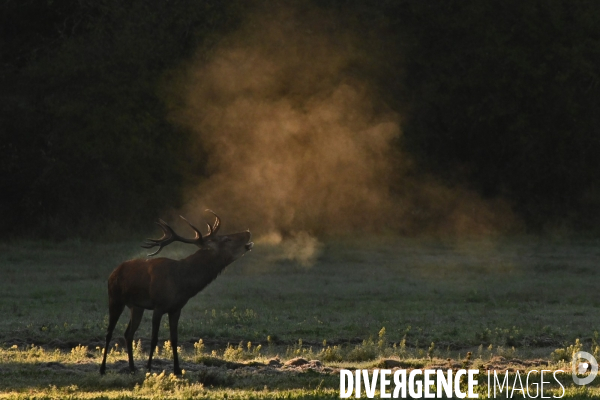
x,y
162,283
165,285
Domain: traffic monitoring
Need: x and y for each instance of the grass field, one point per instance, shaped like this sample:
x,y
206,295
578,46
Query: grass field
x,y
361,303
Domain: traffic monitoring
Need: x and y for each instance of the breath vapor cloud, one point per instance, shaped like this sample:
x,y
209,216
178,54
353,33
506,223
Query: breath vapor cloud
x,y
297,141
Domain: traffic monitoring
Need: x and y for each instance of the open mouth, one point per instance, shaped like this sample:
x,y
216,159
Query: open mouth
x,y
249,245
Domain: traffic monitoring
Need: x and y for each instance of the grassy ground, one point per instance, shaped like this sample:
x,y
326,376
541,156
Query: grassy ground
x,y
510,302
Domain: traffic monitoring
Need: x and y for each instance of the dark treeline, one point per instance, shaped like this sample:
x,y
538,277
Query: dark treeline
x,y
86,142
500,96
504,96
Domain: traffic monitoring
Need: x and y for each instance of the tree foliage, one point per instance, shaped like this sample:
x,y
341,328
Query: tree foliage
x,y
504,96
86,137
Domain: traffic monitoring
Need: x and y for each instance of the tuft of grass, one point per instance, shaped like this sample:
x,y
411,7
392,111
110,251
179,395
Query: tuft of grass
x,y
331,354
566,354
241,353
79,353
169,384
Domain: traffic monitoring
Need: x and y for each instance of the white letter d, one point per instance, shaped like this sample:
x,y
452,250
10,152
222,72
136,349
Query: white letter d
x,y
346,390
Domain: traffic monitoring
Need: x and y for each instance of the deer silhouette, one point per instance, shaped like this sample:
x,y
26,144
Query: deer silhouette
x,y
165,285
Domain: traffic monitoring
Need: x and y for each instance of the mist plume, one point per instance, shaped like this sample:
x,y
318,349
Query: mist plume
x,y
298,141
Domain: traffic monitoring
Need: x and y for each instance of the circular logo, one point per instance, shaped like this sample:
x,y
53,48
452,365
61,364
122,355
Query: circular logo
x,y
577,367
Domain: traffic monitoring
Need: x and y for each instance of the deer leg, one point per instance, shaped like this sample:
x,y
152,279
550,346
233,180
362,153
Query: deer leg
x,y
134,323
114,312
173,321
156,317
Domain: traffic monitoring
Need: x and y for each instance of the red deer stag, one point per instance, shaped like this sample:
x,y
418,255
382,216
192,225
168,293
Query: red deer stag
x,y
166,285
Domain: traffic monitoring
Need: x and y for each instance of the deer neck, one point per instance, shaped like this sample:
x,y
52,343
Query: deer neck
x,y
201,268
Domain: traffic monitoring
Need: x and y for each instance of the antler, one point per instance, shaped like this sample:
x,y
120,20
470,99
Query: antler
x,y
217,224
169,236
